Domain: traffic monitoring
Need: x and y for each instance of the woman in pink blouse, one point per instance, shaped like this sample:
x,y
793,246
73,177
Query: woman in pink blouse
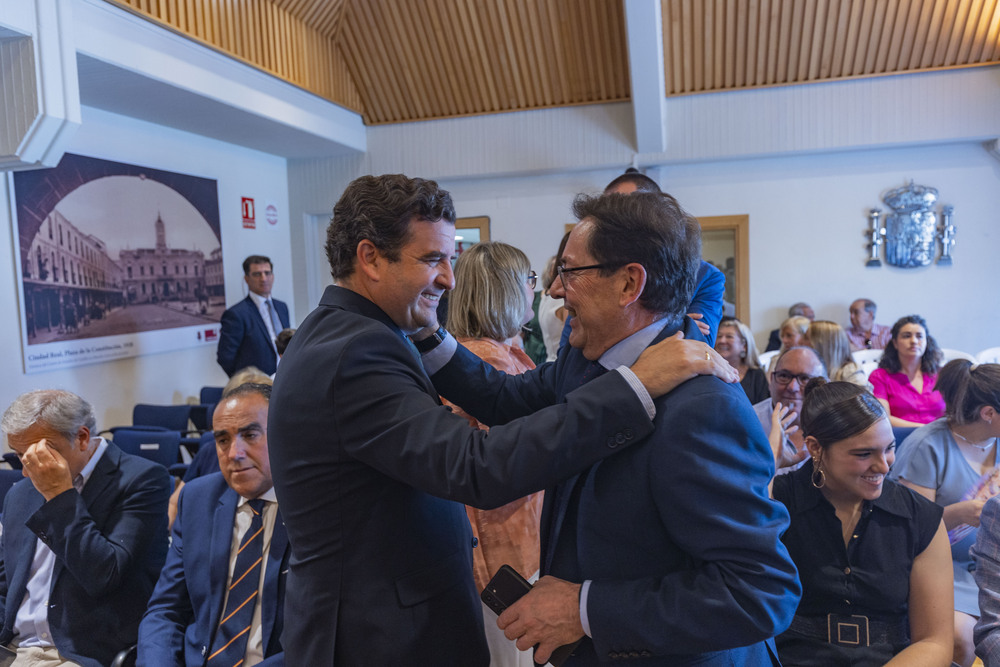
x,y
905,379
492,300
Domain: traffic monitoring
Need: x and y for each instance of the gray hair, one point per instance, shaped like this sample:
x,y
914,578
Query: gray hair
x,y
798,309
62,411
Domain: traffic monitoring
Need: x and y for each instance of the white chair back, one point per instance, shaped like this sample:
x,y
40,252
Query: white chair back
x,y
867,360
990,355
765,359
949,354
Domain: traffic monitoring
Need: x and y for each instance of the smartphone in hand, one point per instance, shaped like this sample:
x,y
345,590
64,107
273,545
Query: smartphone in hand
x,y
507,587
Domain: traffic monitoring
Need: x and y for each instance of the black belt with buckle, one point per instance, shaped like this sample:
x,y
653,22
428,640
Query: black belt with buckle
x,y
853,630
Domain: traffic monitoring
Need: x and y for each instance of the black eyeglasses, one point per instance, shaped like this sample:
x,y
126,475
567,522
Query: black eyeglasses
x,y
532,279
562,270
784,378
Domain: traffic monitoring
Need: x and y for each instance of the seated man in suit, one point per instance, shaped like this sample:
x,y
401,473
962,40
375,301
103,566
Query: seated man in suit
x,y
670,550
368,464
249,328
220,597
83,542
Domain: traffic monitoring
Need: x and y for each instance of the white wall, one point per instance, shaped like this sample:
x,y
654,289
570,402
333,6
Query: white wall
x,y
170,377
808,221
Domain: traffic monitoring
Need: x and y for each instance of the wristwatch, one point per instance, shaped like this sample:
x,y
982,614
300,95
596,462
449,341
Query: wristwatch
x,y
426,345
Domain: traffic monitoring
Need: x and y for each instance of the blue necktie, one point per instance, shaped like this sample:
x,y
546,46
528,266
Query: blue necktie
x,y
275,321
230,643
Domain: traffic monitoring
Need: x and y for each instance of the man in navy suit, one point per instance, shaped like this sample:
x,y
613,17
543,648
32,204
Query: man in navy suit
x,y
182,625
250,327
668,552
83,540
367,463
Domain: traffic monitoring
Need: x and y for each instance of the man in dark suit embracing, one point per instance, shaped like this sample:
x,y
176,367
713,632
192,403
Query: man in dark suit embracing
x,y
249,328
668,552
368,465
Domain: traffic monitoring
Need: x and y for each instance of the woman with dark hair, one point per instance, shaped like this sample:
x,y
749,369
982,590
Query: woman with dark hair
x,y
951,461
492,299
905,379
872,555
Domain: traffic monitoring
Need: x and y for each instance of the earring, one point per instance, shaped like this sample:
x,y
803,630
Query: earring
x,y
818,476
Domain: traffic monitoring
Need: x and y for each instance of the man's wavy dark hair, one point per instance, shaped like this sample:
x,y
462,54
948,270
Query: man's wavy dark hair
x,y
379,209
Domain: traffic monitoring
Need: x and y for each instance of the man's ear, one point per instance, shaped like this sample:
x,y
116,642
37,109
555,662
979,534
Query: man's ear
x,y
370,260
634,283
82,439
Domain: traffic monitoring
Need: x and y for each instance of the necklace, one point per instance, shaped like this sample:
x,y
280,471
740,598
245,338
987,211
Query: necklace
x,y
977,445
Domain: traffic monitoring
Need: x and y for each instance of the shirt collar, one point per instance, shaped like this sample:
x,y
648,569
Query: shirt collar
x,y
808,496
269,495
627,350
258,299
81,480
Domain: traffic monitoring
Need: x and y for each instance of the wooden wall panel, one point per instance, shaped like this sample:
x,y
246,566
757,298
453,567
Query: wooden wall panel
x,y
265,34
410,60
447,58
733,44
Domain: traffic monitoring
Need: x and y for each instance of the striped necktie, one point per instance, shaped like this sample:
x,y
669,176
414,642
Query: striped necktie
x,y
230,644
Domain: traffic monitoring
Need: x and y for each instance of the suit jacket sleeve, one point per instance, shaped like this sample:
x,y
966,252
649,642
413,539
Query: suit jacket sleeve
x,y
231,335
499,398
986,553
708,479
394,425
161,632
4,584
707,298
99,563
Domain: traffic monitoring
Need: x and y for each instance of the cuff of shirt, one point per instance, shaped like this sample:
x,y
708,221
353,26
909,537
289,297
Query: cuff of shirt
x,y
637,387
437,358
584,621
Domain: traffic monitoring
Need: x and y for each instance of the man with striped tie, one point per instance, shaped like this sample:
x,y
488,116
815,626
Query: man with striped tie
x,y
219,600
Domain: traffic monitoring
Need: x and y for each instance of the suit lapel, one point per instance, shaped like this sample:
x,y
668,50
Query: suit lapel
x,y
339,297
222,538
96,497
556,503
270,598
257,318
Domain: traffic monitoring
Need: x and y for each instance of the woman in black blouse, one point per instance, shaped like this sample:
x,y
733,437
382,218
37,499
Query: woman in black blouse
x,y
873,556
736,345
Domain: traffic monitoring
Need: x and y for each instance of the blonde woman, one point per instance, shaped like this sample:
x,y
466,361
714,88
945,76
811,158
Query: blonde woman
x,y
492,299
793,332
832,345
736,345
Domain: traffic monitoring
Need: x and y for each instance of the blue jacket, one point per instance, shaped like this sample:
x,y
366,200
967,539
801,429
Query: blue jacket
x,y
676,532
110,543
189,596
244,340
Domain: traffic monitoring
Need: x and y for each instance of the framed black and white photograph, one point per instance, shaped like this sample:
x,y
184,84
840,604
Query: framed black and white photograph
x,y
115,260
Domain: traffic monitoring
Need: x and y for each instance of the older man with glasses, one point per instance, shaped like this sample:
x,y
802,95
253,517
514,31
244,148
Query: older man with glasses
x,y
792,371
